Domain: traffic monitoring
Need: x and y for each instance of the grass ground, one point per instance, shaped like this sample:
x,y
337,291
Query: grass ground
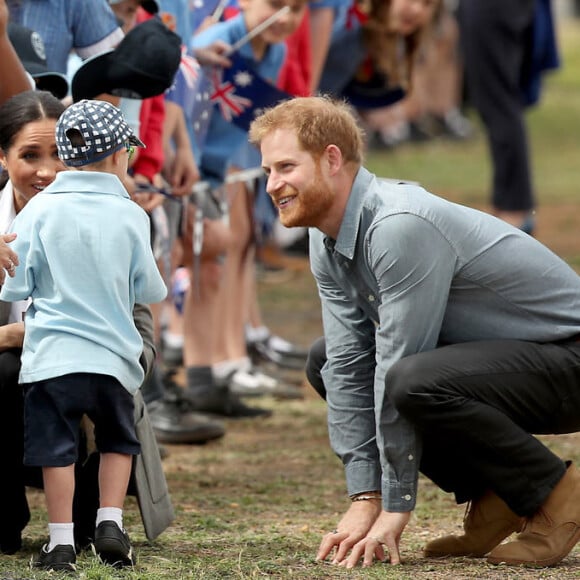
x,y
256,503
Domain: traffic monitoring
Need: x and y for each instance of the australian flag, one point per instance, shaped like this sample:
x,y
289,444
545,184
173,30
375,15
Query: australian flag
x,y
192,90
241,94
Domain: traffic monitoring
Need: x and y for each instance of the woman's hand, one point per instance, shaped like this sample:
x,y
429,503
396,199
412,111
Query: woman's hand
x,y
8,257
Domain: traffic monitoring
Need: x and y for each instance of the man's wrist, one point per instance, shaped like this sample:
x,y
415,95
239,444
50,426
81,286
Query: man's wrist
x,y
367,496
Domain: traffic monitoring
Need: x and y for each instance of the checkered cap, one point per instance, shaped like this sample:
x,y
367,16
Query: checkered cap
x,y
89,131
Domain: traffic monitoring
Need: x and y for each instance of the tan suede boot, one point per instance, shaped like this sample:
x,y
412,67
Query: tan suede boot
x,y
488,521
551,533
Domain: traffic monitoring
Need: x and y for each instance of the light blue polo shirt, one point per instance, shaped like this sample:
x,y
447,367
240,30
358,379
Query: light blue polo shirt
x,y
85,260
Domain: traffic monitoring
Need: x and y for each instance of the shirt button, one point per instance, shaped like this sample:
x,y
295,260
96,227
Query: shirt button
x,y
371,298
411,458
407,497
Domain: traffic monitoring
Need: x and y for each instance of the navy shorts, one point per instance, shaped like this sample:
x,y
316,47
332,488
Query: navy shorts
x,y
54,408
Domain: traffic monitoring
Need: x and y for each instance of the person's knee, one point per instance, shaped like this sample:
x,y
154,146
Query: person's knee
x,y
407,385
314,363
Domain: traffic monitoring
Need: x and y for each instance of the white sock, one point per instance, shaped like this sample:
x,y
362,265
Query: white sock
x,y
173,340
60,535
257,333
225,368
110,514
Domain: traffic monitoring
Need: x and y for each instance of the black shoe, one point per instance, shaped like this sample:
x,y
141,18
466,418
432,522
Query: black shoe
x,y
61,557
278,351
173,421
172,356
220,401
112,545
10,544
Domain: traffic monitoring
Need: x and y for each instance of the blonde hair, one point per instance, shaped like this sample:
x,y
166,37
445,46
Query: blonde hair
x,y
318,122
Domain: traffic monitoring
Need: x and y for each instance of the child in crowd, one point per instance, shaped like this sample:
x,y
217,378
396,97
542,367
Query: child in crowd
x,y
265,52
85,260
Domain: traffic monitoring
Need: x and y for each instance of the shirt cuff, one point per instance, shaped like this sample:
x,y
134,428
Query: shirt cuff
x,y
399,497
362,476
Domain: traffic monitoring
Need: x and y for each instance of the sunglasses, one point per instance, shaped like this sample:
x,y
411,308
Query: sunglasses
x,y
130,150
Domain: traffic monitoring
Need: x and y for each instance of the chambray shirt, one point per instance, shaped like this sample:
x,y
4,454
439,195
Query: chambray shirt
x,y
87,26
407,272
85,259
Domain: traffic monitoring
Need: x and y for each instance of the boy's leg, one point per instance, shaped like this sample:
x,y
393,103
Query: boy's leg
x,y
112,543
114,474
59,486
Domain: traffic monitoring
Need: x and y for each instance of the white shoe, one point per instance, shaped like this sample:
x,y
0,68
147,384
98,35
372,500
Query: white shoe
x,y
252,383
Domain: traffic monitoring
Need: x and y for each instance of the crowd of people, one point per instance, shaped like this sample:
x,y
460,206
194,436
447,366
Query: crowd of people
x,y
136,99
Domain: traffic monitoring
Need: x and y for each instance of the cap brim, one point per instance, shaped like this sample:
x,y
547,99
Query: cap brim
x,y
54,83
134,140
92,77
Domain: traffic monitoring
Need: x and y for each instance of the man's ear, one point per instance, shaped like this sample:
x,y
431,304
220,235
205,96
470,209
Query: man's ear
x,y
334,158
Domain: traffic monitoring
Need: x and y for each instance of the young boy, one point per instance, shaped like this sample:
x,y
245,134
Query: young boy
x,y
85,260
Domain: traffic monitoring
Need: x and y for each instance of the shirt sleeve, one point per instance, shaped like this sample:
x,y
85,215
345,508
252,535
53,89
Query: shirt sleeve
x,y
94,27
348,377
414,266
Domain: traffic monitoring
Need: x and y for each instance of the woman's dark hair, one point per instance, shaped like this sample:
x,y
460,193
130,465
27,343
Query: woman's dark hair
x,y
19,111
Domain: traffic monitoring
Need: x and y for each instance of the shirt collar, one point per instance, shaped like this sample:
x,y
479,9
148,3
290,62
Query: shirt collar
x,y
348,232
87,182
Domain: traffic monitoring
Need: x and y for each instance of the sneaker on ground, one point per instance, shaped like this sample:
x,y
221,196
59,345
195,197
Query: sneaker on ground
x,y
61,558
286,348
112,545
220,401
174,422
455,125
252,383
278,351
